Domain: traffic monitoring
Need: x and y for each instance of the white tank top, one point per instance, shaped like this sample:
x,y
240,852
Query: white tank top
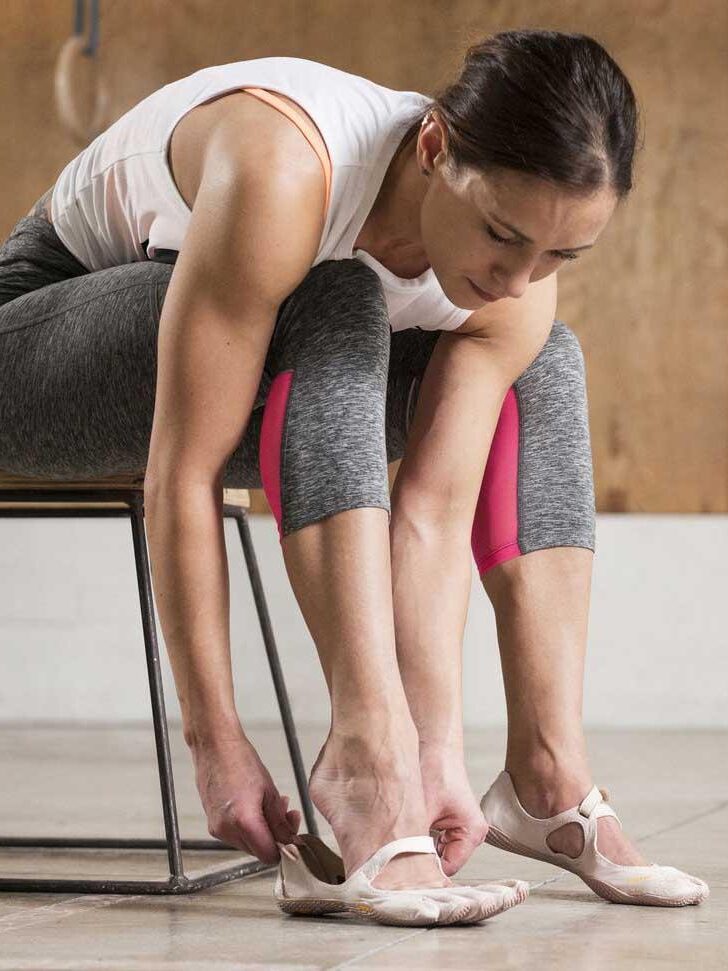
x,y
116,202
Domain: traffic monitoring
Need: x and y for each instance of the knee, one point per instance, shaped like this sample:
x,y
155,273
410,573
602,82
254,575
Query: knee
x,y
337,279
557,374
339,308
567,343
562,353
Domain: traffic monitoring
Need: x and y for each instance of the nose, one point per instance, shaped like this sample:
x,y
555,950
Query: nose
x,y
512,283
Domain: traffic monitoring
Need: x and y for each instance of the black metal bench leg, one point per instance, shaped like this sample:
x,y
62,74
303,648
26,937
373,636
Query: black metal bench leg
x,y
241,517
177,882
156,693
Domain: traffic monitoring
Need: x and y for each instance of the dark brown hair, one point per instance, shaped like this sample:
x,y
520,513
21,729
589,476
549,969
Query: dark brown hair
x,y
550,104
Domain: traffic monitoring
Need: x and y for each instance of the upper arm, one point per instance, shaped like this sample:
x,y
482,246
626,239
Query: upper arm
x,y
459,403
252,238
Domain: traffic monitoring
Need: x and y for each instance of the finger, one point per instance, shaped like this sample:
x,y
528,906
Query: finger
x,y
234,837
294,819
283,806
275,815
457,848
262,842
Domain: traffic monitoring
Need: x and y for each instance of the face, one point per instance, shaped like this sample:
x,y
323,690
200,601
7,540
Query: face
x,y
499,231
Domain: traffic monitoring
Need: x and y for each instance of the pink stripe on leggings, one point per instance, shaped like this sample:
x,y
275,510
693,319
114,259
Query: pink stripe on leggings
x,y
494,538
271,440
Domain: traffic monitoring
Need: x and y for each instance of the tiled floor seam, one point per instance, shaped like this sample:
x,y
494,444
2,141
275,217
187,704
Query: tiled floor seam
x,y
375,950
684,822
55,910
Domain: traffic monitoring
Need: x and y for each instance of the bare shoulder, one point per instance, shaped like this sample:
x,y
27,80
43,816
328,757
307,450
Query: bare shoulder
x,y
255,133
512,320
238,130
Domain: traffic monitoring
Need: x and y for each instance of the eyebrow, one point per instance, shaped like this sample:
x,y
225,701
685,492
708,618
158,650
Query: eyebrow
x,y
526,239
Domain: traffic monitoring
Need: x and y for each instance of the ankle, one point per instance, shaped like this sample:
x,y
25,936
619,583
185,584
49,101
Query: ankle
x,y
548,781
549,759
348,752
444,741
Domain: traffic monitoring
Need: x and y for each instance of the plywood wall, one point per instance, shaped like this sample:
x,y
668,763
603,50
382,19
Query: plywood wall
x,y
648,304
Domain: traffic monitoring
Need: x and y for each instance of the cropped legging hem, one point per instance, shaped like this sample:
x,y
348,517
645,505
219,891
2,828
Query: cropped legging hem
x,y
329,507
336,399
511,550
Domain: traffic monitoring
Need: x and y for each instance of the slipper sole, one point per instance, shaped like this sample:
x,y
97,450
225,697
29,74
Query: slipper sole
x,y
312,906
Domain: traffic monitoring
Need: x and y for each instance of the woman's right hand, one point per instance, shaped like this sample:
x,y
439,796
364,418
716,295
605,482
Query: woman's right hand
x,y
241,801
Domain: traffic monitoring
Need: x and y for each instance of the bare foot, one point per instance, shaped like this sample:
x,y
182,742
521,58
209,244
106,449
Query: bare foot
x,y
543,798
371,795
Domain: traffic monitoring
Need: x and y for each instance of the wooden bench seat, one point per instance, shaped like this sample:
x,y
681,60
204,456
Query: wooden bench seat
x,y
231,497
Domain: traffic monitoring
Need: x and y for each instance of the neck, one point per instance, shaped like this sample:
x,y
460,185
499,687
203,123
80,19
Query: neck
x,y
391,231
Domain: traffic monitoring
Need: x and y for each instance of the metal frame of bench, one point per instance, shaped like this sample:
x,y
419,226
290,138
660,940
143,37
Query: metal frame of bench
x,y
124,496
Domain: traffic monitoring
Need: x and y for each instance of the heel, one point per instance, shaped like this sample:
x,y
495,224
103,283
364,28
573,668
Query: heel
x,y
498,838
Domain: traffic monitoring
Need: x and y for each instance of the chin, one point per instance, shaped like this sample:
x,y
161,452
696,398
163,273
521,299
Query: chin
x,y
464,299
470,299
469,306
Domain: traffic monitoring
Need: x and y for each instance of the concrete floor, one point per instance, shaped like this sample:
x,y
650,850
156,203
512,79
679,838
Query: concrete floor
x,y
668,788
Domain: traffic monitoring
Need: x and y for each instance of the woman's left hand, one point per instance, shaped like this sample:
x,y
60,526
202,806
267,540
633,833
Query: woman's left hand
x,y
453,811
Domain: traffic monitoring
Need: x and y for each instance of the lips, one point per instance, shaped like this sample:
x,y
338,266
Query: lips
x,y
481,293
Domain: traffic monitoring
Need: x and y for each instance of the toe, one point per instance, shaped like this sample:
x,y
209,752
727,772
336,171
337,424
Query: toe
x,y
456,907
702,888
669,883
515,891
412,909
486,902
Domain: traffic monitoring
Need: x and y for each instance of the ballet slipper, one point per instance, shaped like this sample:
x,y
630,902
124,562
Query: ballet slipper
x,y
311,880
512,828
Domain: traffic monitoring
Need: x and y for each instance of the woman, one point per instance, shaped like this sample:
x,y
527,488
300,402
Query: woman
x,y
250,287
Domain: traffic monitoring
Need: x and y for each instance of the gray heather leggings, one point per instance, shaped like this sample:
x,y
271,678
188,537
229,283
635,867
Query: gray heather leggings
x,y
78,358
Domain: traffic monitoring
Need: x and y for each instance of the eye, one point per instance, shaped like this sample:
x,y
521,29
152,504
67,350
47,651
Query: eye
x,y
496,237
505,241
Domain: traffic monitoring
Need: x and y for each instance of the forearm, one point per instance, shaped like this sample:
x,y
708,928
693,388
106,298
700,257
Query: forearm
x,y
191,590
431,576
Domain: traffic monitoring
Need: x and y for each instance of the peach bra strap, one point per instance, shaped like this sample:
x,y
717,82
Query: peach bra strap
x,y
307,129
